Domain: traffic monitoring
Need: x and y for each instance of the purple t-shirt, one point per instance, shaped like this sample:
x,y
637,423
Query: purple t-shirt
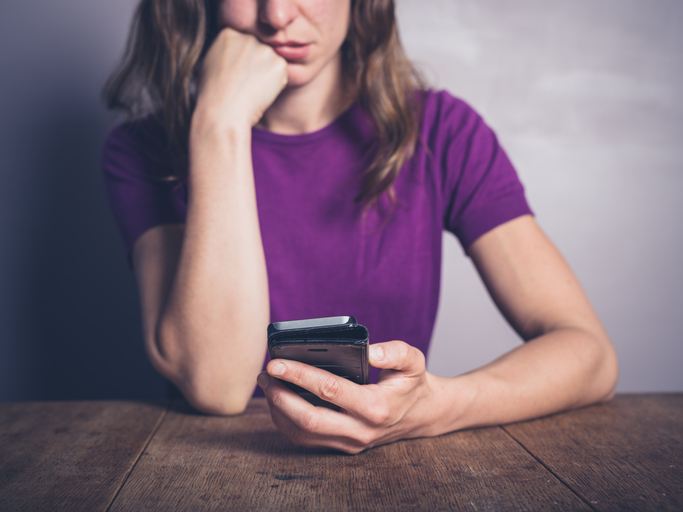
x,y
324,258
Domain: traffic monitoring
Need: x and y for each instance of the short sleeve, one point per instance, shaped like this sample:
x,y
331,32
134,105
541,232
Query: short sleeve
x,y
480,187
140,188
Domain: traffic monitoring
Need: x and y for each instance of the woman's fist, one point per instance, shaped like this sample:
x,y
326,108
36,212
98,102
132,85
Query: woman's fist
x,y
240,79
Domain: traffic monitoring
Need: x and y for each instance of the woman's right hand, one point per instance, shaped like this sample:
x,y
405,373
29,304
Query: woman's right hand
x,y
204,287
240,79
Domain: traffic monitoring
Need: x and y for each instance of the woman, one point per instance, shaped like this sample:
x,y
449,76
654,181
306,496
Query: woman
x,y
305,173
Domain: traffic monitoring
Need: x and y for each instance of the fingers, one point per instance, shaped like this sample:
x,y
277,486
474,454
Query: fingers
x,y
331,388
397,355
311,426
302,437
370,414
240,78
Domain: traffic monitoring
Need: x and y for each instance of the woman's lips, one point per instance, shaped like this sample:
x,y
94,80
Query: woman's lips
x,y
292,51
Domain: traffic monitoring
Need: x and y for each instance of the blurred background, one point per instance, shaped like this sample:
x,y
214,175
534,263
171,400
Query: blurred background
x,y
584,96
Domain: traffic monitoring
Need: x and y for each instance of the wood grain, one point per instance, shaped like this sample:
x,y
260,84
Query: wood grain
x,y
70,455
197,462
623,455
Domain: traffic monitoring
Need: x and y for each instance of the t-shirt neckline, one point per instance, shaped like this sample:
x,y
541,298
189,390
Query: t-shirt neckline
x,y
306,138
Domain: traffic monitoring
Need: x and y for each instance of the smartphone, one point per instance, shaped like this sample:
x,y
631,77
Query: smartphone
x,y
336,344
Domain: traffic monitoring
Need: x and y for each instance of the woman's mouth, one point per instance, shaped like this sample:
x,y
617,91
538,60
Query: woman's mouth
x,y
292,51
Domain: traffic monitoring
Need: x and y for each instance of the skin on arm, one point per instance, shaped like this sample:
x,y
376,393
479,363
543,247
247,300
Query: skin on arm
x,y
204,292
204,287
568,361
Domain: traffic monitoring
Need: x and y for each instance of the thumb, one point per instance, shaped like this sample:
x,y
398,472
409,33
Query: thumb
x,y
397,355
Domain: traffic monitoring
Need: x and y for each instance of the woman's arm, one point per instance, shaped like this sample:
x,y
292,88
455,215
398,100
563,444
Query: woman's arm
x,y
204,287
568,361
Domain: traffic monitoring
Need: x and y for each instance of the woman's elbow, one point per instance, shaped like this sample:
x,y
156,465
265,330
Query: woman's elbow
x,y
207,392
220,404
204,386
608,371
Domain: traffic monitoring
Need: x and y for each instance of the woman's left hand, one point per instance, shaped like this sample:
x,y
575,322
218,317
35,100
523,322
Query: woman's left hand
x,y
399,406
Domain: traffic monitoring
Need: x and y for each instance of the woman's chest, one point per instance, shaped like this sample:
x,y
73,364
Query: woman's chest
x,y
320,242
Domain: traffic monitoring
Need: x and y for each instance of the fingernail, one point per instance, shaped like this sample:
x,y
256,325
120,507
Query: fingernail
x,y
376,352
262,380
278,369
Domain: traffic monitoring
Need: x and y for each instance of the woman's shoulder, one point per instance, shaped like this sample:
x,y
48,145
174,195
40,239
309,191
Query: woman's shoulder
x,y
145,132
135,146
440,107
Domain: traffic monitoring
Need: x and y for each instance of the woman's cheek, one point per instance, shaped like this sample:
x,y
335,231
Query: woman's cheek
x,y
238,14
329,13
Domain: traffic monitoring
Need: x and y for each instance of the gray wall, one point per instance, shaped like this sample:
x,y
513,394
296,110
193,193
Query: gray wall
x,y
585,96
69,322
582,95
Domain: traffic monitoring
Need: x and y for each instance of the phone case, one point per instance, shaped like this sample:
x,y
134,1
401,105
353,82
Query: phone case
x,y
336,344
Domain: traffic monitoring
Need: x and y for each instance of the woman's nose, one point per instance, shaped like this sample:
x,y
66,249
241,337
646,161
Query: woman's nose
x,y
278,13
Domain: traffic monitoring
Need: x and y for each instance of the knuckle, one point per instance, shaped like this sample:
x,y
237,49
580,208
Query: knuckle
x,y
365,439
329,388
420,356
298,437
379,414
403,352
310,422
226,35
294,373
352,450
275,398
280,424
262,51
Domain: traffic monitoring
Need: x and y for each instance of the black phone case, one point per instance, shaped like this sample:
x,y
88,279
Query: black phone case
x,y
338,345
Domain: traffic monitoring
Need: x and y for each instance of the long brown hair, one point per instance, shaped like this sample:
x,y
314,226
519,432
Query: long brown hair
x,y
168,38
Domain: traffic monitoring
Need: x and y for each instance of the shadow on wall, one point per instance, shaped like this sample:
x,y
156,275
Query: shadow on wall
x,y
81,322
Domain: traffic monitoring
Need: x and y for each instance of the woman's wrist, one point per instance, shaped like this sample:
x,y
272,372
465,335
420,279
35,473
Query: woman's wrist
x,y
450,401
217,151
208,126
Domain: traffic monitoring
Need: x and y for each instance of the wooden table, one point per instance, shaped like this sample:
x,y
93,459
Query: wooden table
x,y
625,455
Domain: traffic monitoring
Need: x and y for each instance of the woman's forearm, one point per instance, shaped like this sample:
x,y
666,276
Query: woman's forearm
x,y
212,331
566,368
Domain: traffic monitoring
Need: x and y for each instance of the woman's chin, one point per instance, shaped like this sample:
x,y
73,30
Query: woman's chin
x,y
297,75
